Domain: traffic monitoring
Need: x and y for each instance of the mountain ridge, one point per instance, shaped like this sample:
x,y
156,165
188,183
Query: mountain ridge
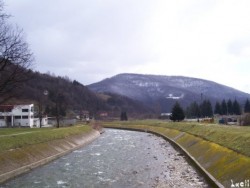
x,y
154,89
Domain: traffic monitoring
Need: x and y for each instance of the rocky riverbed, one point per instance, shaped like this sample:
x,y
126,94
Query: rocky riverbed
x,y
176,172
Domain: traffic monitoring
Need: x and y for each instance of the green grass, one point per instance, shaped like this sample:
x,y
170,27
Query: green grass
x,y
236,138
11,138
8,131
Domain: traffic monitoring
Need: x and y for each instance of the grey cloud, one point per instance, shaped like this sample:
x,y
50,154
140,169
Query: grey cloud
x,y
87,31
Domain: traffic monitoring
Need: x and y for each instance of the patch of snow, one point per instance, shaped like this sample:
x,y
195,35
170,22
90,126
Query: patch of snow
x,y
141,83
60,182
96,154
171,96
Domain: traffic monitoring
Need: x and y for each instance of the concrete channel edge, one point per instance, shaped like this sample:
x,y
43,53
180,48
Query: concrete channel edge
x,y
16,172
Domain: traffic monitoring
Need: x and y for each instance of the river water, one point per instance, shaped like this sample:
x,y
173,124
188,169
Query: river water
x,y
117,159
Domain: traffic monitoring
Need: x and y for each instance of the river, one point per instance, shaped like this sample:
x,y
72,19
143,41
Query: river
x,y
117,159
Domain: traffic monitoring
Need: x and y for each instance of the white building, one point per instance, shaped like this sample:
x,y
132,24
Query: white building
x,y
165,115
44,122
17,115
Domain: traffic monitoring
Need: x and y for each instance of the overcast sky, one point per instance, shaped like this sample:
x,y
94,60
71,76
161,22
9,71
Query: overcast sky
x,y
89,40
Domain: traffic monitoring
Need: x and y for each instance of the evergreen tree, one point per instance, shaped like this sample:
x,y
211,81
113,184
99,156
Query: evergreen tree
x,y
188,112
124,116
229,107
209,109
223,107
193,110
236,108
247,107
196,110
217,109
202,109
206,109
177,113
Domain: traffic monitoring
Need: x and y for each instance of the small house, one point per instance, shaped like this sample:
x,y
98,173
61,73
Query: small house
x,y
17,115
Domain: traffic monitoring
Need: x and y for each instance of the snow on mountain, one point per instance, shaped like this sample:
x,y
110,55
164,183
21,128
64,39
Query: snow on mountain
x,y
162,91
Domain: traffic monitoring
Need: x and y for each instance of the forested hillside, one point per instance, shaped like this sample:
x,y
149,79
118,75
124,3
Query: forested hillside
x,y
50,91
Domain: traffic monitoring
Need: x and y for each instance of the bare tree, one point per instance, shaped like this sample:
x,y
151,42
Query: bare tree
x,y
15,57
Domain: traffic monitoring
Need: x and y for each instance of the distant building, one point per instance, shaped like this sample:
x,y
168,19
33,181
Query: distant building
x,y
228,119
103,114
17,115
165,115
84,114
44,121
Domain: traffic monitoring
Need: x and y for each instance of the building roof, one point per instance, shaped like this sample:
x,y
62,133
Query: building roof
x,y
7,108
10,107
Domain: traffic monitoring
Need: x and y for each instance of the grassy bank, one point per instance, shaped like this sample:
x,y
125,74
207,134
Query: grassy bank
x,y
24,149
236,138
11,138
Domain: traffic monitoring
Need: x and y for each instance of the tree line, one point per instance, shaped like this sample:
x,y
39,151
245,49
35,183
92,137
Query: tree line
x,y
205,109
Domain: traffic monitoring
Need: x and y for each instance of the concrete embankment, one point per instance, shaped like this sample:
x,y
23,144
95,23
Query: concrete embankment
x,y
17,161
221,166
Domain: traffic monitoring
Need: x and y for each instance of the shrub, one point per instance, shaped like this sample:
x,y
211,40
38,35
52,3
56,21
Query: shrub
x,y
246,119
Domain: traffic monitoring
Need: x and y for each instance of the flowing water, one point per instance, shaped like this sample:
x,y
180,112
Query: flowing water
x,y
118,159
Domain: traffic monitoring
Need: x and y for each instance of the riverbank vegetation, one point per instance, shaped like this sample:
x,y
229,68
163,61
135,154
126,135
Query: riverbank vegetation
x,y
236,138
11,138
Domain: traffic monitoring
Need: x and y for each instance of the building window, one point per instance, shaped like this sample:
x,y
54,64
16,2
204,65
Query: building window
x,y
32,109
25,110
1,117
17,117
25,117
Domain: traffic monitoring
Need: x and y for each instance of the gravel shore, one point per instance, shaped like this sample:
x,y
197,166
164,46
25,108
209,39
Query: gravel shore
x,y
176,170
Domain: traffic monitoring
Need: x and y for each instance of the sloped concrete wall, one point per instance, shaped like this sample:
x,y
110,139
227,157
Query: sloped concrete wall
x,y
17,161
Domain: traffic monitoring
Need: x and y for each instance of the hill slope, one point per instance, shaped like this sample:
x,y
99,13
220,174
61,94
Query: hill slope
x,y
160,92
74,97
